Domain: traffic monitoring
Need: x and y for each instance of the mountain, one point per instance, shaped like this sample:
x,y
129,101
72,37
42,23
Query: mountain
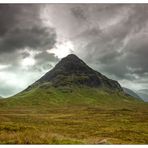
x,y
73,71
72,82
143,94
131,92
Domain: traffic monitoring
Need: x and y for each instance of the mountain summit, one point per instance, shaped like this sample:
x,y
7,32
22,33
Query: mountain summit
x,y
73,71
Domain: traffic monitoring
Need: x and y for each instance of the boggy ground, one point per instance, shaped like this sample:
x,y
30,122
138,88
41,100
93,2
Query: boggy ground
x,y
74,125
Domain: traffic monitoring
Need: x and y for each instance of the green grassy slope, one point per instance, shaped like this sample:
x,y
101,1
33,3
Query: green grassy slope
x,y
47,96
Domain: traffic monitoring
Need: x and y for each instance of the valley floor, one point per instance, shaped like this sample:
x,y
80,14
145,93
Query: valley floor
x,y
73,125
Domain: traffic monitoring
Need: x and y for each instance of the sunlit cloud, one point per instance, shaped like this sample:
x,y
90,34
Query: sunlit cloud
x,y
29,61
62,49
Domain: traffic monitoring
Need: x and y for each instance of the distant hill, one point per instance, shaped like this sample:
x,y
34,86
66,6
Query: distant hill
x,y
131,92
143,94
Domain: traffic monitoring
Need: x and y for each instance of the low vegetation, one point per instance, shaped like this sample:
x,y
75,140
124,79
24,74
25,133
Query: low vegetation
x,y
73,125
72,116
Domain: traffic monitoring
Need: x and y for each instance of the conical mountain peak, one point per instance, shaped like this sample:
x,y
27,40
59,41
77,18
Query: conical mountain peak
x,y
71,56
72,64
71,71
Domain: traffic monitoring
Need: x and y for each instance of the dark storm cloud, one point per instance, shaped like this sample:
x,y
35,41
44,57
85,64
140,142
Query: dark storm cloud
x,y
17,15
79,13
33,38
21,27
115,38
8,18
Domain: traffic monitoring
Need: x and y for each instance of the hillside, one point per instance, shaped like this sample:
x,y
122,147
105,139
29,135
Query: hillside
x,y
72,82
46,95
73,104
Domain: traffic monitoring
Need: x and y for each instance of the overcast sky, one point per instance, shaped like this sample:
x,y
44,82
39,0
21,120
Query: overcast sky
x,y
110,38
